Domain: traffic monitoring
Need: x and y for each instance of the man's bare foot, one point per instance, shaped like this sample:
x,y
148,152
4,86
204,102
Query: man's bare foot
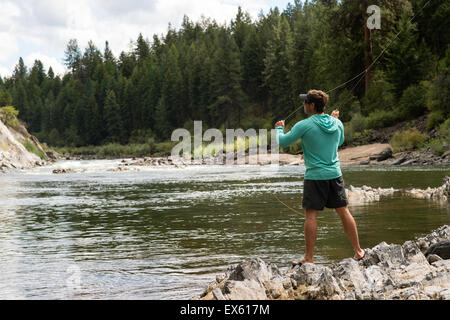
x,y
303,261
360,254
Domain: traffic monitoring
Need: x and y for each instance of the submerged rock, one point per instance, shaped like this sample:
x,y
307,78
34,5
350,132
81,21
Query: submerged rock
x,y
63,171
440,193
387,271
367,194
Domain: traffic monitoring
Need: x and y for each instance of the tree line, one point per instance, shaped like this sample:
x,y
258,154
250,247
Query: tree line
x,y
243,74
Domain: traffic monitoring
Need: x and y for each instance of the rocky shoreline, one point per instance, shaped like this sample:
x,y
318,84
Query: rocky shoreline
x,y
373,154
14,154
416,270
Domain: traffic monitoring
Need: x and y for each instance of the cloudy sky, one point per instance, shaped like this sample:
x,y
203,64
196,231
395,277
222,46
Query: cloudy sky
x,y
40,29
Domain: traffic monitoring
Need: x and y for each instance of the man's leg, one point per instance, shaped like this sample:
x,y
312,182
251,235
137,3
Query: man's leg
x,y
310,235
350,229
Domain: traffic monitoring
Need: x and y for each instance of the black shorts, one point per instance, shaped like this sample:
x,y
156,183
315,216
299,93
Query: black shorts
x,y
318,194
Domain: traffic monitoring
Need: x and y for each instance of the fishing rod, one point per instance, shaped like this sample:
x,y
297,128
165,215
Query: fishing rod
x,y
361,75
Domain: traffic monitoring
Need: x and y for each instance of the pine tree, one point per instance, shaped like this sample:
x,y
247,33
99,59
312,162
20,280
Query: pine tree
x,y
278,66
113,121
72,55
226,107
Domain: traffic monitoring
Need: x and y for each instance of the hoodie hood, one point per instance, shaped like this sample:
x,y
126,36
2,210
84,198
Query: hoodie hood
x,y
327,123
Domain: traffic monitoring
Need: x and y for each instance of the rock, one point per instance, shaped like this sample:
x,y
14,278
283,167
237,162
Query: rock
x,y
399,161
388,271
442,249
385,154
218,294
367,194
52,155
441,193
63,171
13,154
446,154
409,162
365,162
433,258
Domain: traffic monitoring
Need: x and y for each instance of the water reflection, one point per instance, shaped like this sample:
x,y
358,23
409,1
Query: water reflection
x,y
164,234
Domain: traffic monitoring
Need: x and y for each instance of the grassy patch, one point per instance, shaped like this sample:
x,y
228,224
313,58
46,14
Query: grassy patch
x,y
31,147
408,140
111,150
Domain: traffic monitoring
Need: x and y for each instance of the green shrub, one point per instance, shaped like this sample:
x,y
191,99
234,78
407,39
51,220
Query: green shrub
x,y
444,129
439,146
163,148
407,140
434,119
383,118
379,96
359,122
349,133
413,102
5,98
442,143
9,116
110,150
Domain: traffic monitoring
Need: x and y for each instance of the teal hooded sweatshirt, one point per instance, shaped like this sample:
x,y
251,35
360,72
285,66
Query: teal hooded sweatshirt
x,y
321,135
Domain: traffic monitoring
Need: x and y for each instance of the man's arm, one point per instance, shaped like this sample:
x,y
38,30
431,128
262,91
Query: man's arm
x,y
285,140
342,137
335,114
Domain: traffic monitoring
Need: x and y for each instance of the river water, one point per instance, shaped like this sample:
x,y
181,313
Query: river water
x,y
164,233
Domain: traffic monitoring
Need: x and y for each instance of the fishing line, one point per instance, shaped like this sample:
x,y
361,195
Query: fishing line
x,y
364,72
298,212
382,52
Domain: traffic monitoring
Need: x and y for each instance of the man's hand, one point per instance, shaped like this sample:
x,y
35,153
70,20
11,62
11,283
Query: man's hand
x,y
335,113
280,124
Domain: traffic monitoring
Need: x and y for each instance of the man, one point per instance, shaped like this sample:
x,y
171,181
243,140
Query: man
x,y
321,135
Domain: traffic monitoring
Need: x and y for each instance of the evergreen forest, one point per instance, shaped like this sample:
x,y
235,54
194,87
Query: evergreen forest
x,y
244,74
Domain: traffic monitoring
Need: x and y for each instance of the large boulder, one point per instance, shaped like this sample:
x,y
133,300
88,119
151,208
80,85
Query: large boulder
x,y
387,271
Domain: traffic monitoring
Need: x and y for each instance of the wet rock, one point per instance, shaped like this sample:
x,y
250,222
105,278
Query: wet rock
x,y
441,193
63,171
388,271
442,249
367,194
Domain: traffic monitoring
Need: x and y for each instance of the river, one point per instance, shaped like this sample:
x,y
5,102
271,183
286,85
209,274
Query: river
x,y
164,233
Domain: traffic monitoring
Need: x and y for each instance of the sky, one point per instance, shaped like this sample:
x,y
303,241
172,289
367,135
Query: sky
x,y
41,29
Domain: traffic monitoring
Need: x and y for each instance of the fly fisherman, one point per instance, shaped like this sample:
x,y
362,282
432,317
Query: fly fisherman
x,y
321,135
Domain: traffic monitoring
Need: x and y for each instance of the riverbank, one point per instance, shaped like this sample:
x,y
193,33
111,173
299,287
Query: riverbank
x,y
418,269
20,150
372,154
